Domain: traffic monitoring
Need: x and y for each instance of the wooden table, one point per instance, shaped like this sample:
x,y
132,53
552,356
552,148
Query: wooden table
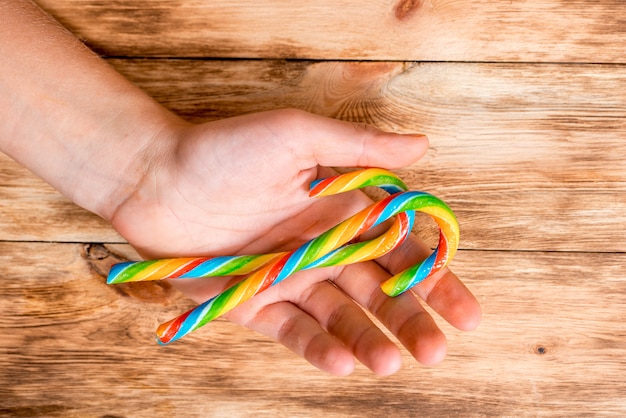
x,y
525,106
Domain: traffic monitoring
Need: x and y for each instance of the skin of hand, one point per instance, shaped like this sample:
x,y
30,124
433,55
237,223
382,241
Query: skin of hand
x,y
234,186
240,186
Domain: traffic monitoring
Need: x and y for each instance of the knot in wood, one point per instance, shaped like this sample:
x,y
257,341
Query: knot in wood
x,y
405,9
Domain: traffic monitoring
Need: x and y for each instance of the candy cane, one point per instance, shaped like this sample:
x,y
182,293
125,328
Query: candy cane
x,y
332,248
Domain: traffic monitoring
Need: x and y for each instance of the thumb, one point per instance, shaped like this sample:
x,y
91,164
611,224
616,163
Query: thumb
x,y
334,143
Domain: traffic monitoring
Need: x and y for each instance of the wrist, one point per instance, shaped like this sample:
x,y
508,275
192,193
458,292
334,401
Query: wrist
x,y
124,155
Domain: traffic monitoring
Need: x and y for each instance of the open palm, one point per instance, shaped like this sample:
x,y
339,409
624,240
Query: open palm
x,y
240,186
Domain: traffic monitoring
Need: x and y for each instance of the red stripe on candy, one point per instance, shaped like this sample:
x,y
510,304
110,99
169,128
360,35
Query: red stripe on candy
x,y
273,272
188,267
321,186
168,330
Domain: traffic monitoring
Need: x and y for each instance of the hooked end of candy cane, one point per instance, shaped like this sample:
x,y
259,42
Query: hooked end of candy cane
x,y
357,180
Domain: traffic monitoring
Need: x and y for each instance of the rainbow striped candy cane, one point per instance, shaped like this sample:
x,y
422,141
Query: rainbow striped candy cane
x,y
332,248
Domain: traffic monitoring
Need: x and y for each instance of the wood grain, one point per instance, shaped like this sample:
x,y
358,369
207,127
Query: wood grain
x,y
406,30
31,210
525,106
530,157
552,343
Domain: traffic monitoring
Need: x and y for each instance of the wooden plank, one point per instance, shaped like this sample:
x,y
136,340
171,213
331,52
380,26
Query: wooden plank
x,y
529,156
31,210
434,30
552,343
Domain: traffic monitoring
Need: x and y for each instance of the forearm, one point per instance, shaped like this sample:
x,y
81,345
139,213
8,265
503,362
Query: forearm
x,y
68,116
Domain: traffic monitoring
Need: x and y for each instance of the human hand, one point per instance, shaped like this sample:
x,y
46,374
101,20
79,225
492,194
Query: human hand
x,y
227,187
240,186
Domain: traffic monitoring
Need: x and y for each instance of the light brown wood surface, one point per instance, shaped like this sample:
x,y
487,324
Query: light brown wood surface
x,y
525,106
551,343
405,30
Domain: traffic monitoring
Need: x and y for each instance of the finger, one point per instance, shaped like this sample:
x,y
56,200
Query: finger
x,y
332,311
329,142
442,291
450,298
302,334
403,315
344,319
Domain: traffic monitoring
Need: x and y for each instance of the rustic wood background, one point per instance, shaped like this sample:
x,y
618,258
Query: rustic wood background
x,y
525,106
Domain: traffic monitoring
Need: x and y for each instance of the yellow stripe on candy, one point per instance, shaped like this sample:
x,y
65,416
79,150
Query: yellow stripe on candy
x,y
163,268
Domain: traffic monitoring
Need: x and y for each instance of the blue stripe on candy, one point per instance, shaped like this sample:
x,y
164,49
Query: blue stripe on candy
x,y
195,317
206,268
417,274
391,188
293,263
315,183
424,269
396,205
